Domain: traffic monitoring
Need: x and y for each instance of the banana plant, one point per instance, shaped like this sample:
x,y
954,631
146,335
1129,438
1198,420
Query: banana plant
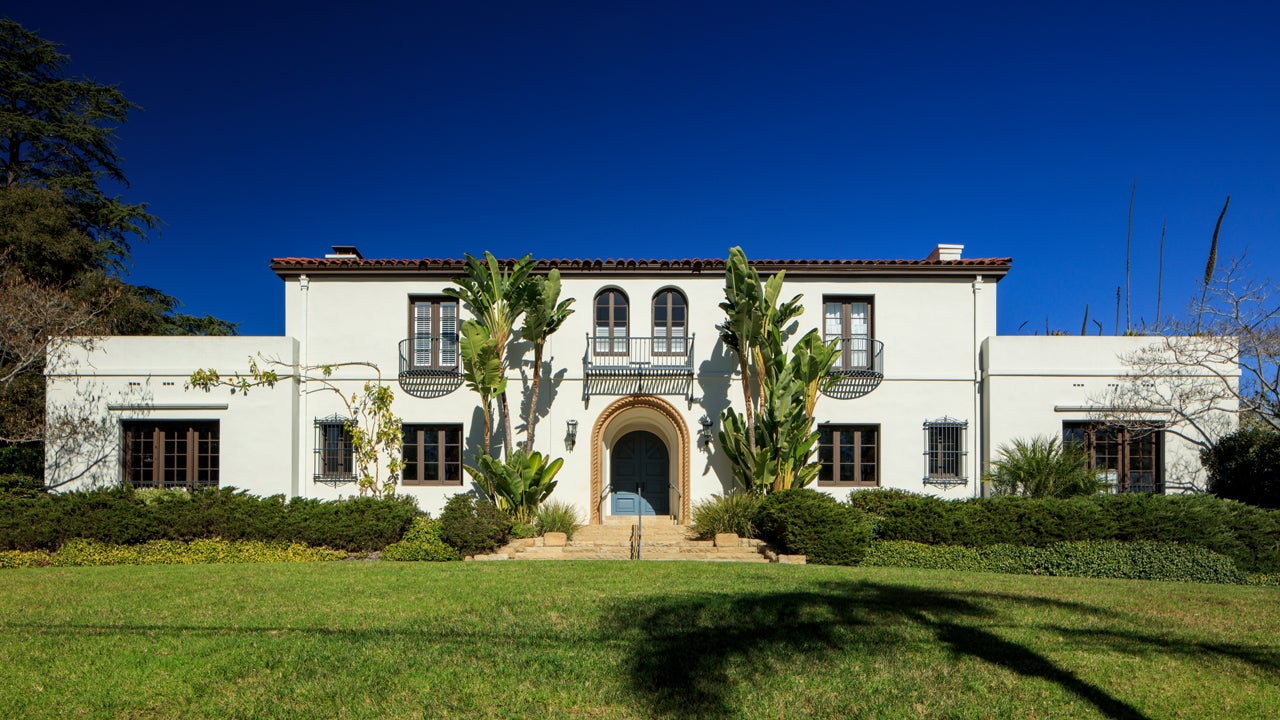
x,y
519,484
496,298
770,446
543,315
482,370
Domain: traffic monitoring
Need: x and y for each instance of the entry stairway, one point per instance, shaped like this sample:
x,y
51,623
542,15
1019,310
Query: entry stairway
x,y
656,537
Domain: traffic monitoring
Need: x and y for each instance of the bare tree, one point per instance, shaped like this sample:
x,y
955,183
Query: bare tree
x,y
1208,371
38,323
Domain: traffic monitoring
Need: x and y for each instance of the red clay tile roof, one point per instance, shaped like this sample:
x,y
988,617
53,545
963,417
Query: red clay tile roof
x,y
994,268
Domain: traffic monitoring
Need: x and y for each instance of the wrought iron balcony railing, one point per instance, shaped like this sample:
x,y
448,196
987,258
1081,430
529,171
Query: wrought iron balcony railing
x,y
859,355
424,355
629,356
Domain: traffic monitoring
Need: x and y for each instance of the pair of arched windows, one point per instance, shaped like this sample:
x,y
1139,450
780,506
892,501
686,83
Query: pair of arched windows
x,y
670,322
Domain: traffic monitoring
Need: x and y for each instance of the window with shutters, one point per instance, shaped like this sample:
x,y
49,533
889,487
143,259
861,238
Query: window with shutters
x,y
670,323
433,329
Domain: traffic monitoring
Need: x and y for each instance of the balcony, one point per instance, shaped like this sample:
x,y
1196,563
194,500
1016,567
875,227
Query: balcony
x,y
429,365
624,365
859,367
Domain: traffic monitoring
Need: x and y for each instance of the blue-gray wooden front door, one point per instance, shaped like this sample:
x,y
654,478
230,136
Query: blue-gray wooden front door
x,y
639,472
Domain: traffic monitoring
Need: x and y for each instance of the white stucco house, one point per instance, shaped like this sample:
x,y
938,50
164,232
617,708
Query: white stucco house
x,y
634,384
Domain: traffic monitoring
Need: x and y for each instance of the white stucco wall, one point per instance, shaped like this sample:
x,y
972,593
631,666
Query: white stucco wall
x,y
142,378
1035,384
941,359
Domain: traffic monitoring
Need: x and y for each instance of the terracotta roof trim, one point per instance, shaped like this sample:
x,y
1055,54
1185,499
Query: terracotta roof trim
x,y
627,263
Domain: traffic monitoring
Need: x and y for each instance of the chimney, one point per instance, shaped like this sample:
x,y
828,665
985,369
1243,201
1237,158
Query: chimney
x,y
945,252
344,252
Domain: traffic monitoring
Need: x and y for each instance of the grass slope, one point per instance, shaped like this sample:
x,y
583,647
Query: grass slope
x,y
626,640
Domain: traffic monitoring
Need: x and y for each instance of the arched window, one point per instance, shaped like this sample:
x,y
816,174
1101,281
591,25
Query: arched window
x,y
670,323
611,323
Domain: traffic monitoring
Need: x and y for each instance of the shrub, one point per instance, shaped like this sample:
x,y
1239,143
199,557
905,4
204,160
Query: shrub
x,y
1094,559
1043,467
21,485
732,513
473,527
807,522
1245,466
122,516
557,516
521,530
82,551
874,500
421,542
1248,535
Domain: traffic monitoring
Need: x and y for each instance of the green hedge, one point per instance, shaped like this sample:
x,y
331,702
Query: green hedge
x,y
806,522
1093,559
1248,535
122,516
81,551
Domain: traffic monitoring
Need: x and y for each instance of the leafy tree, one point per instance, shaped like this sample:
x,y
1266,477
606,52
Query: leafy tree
x,y
64,238
1043,467
1245,466
59,132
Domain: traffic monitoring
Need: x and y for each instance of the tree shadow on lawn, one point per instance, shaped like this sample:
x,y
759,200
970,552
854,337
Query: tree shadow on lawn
x,y
684,647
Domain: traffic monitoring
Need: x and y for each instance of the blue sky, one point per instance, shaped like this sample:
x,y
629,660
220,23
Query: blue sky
x,y
679,129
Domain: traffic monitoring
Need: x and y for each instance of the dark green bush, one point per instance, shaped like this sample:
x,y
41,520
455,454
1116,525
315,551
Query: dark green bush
x,y
19,485
1248,535
421,543
875,500
1245,466
1094,559
121,516
22,459
473,527
806,522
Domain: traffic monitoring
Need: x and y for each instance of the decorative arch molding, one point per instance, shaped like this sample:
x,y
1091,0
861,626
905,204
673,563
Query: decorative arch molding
x,y
617,412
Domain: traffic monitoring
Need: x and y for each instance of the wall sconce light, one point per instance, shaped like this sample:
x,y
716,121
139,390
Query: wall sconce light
x,y
704,435
571,435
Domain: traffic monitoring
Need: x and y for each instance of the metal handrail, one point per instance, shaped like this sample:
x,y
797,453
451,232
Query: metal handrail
x,y
437,349
859,354
679,501
631,355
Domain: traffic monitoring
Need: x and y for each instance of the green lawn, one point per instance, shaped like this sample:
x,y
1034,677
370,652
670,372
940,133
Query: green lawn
x,y
626,640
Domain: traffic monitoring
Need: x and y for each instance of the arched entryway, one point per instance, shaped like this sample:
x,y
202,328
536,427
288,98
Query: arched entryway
x,y
639,472
638,431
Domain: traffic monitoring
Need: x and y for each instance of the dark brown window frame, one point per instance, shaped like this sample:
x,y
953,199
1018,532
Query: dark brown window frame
x,y
201,440
833,435
611,341
670,293
437,347
444,466
844,360
1125,438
